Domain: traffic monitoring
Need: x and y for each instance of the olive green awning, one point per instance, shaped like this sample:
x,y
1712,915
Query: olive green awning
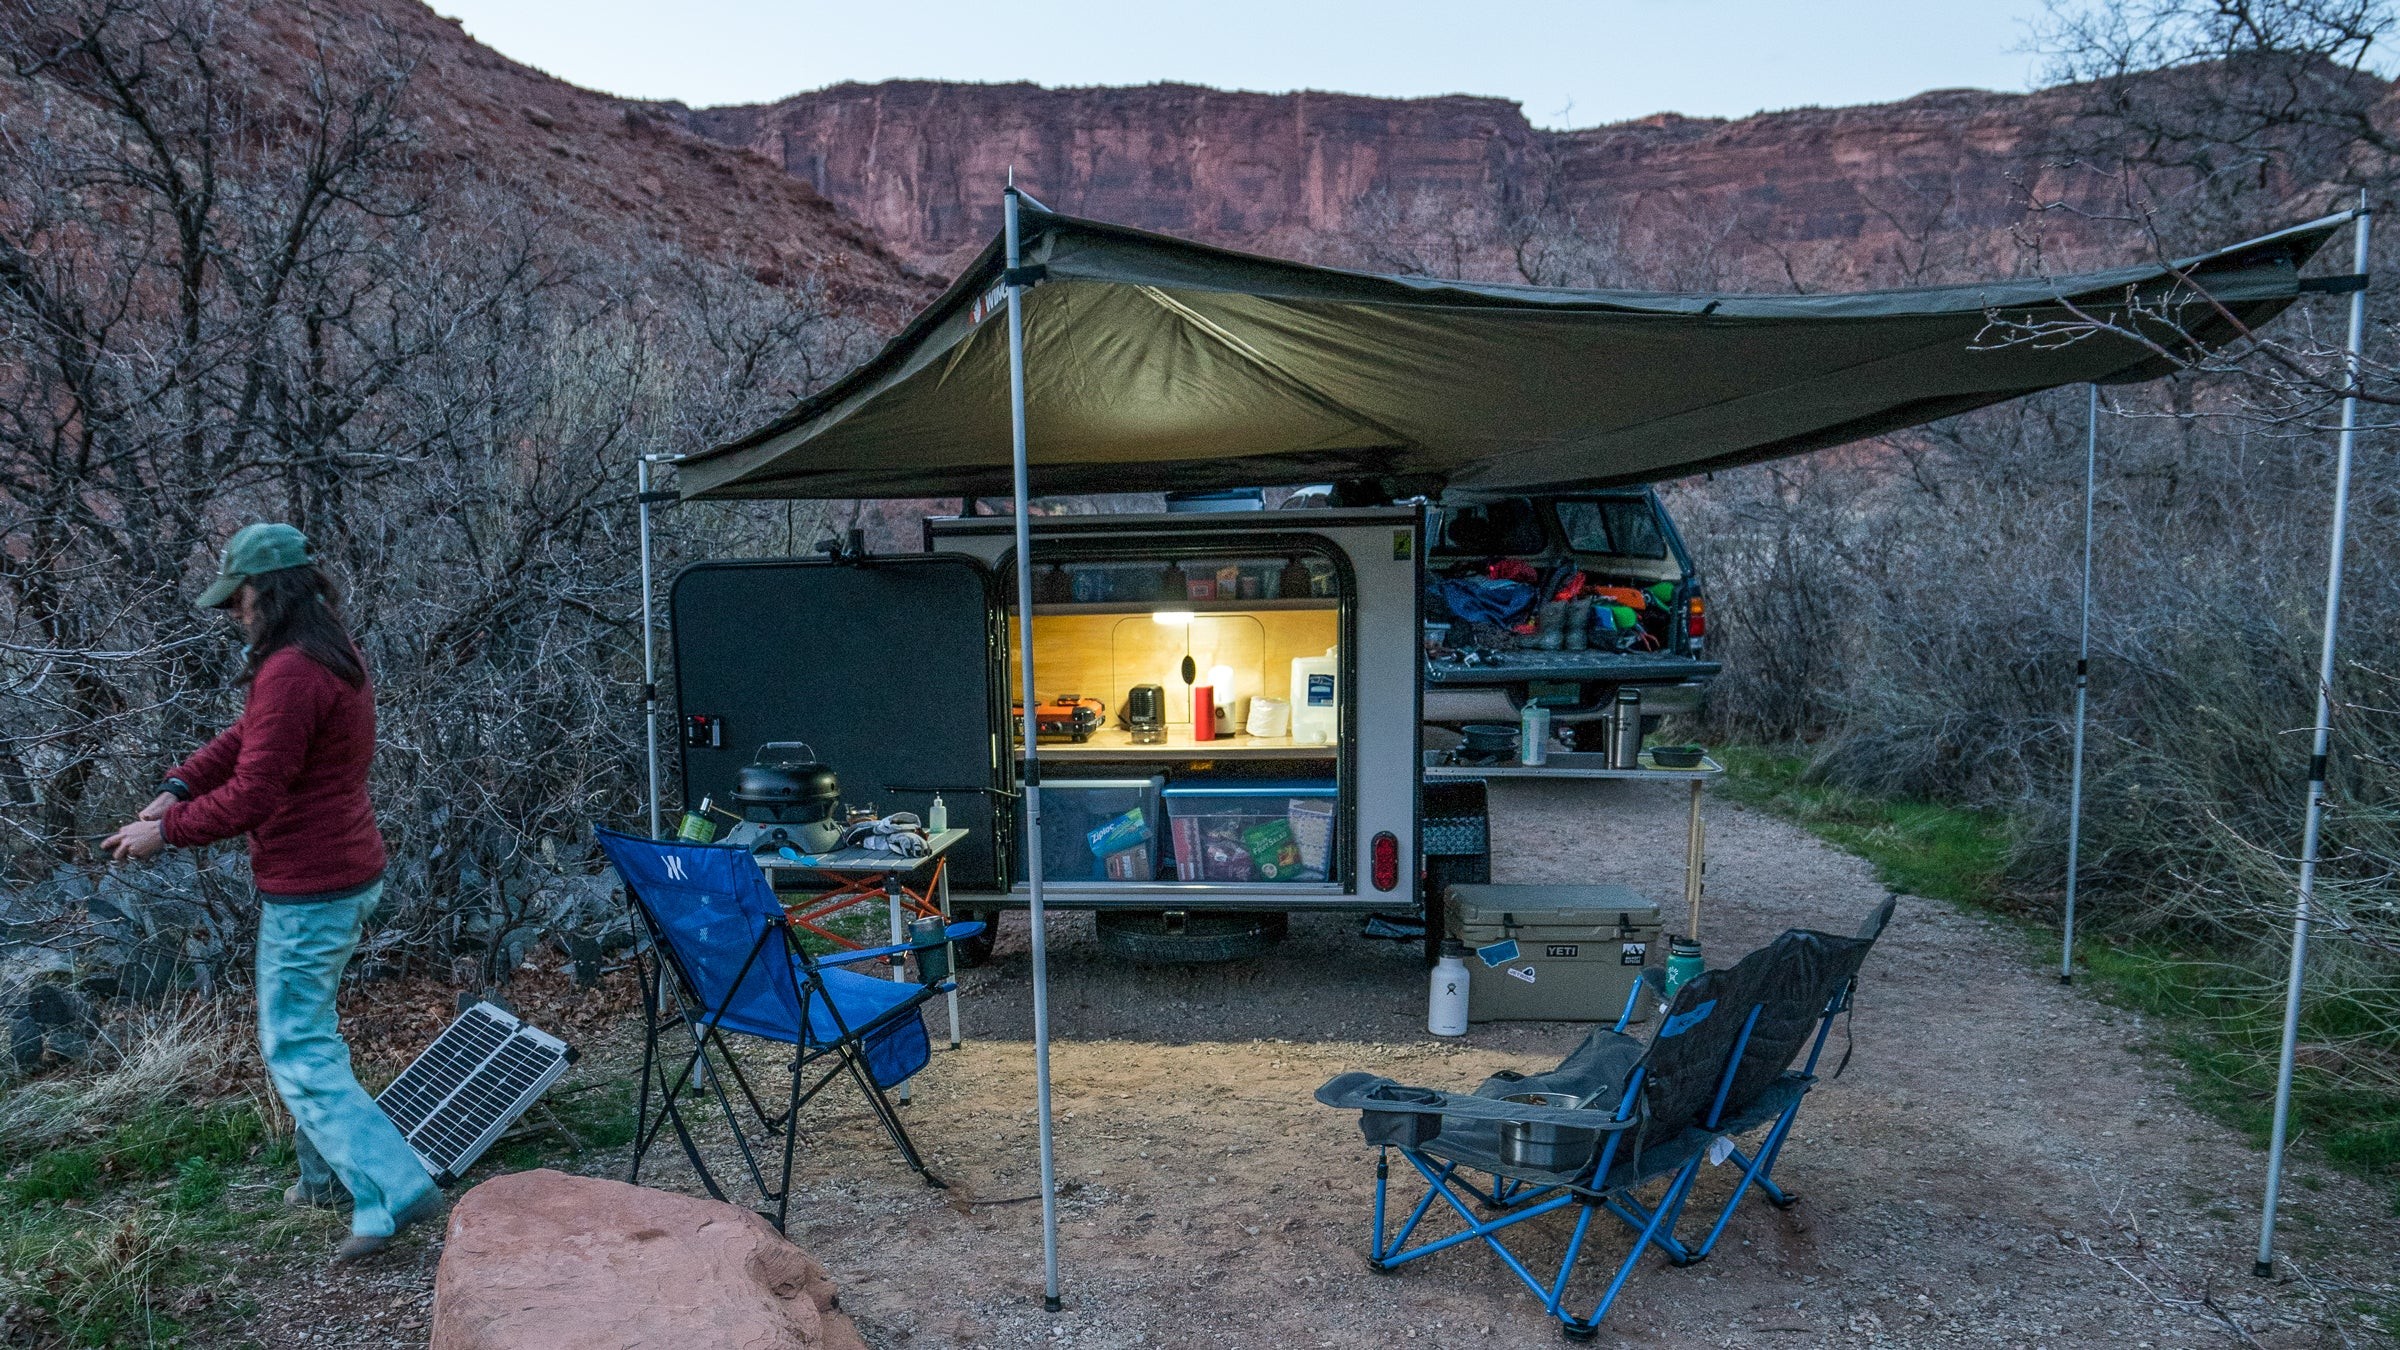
x,y
1156,364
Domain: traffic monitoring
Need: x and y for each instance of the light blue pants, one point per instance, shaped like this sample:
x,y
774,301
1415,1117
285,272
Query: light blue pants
x,y
301,952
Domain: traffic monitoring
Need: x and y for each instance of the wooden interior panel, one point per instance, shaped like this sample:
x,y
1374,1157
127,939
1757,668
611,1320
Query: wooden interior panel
x,y
1103,655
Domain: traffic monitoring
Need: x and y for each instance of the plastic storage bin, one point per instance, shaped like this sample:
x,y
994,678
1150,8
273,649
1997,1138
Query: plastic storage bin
x,y
1252,831
1102,829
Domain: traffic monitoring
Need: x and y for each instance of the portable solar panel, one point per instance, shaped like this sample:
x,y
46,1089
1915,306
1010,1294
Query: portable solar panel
x,y
476,1078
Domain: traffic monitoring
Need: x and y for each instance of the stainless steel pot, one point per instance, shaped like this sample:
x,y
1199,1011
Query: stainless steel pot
x,y
1542,1146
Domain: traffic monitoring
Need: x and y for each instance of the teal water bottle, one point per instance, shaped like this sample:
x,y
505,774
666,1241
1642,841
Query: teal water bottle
x,y
1683,962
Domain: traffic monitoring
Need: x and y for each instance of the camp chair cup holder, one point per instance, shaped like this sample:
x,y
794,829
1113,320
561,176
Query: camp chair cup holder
x,y
1401,1128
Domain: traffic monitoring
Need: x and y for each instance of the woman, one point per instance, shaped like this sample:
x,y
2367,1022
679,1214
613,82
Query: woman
x,y
292,774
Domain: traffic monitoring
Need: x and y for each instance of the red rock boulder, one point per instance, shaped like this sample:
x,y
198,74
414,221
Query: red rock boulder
x,y
545,1261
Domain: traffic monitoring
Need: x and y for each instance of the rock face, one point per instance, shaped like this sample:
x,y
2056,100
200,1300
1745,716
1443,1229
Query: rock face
x,y
920,163
545,1261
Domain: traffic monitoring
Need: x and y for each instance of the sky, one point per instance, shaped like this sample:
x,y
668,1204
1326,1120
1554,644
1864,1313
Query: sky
x,y
1571,63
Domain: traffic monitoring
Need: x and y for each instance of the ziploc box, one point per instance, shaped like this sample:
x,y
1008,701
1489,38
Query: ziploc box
x,y
1551,953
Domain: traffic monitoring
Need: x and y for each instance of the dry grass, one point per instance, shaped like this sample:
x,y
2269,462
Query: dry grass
x,y
183,1053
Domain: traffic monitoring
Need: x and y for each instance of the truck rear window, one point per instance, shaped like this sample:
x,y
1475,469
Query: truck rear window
x,y
1506,527
1622,527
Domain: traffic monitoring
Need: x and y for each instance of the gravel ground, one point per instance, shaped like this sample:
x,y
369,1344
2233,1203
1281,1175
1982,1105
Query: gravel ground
x,y
2002,1164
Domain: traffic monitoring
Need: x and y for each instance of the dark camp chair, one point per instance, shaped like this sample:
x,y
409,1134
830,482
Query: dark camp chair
x,y
1616,1116
722,957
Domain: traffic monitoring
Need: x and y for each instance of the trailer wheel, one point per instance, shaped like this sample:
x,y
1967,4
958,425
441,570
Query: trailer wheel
x,y
1166,937
977,950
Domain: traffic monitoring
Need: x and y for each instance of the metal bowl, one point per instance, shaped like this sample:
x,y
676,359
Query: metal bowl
x,y
1676,756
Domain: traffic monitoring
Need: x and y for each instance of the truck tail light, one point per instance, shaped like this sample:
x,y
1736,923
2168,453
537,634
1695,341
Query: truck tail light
x,y
1695,617
1385,857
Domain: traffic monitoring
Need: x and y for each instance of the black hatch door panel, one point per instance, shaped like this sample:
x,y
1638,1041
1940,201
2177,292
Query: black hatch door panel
x,y
884,666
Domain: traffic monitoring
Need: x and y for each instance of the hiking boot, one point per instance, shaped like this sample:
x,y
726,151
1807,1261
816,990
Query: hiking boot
x,y
360,1245
300,1195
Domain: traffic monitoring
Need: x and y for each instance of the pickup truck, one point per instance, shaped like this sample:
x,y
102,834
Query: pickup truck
x,y
1619,538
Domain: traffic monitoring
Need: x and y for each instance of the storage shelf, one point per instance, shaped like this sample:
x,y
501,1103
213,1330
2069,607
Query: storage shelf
x,y
1113,743
1180,606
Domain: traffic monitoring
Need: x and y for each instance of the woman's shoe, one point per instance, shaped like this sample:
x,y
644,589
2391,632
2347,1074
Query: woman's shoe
x,y
299,1195
360,1245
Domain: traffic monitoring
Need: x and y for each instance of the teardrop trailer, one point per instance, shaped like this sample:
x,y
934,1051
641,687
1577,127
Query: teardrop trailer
x,y
1131,362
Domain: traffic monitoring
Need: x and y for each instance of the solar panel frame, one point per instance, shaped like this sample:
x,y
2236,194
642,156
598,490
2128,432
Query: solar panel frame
x,y
458,1096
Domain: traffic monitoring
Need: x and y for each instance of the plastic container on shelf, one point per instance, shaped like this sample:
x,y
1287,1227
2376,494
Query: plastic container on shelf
x,y
1102,829
1316,698
1250,830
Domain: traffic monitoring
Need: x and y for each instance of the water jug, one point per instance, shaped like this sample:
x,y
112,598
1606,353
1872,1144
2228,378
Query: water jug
x,y
1446,1008
1316,698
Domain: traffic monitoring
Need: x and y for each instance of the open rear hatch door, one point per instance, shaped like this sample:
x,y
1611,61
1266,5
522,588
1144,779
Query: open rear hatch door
x,y
884,666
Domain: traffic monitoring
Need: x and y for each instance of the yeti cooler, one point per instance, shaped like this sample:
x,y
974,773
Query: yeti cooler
x,y
1551,953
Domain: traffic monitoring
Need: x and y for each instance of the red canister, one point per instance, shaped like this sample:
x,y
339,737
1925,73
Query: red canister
x,y
1204,712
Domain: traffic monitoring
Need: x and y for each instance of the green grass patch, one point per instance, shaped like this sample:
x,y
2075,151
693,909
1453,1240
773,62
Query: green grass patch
x,y
157,1143
1923,848
2220,1020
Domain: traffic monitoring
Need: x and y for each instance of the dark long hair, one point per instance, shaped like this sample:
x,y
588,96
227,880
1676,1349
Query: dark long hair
x,y
301,607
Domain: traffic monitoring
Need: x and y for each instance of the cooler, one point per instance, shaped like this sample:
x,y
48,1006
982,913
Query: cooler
x,y
1551,953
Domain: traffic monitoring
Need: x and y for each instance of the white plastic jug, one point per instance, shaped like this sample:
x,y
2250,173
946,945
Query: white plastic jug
x,y
1446,1005
1316,697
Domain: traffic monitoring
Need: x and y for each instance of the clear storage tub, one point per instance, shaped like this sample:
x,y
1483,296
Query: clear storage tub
x,y
1252,831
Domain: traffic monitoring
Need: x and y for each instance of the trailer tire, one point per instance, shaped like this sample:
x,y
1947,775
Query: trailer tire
x,y
977,950
1150,938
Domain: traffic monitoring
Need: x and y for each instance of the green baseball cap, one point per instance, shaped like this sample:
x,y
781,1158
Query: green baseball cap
x,y
253,551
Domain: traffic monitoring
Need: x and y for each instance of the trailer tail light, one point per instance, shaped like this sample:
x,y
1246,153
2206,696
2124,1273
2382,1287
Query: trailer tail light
x,y
1695,618
1385,858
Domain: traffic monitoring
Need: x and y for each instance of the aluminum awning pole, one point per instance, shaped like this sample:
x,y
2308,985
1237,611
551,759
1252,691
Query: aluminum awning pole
x,y
641,492
2310,835
1032,780
2083,681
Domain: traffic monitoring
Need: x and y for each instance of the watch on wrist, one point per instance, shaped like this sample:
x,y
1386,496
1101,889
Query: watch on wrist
x,y
177,788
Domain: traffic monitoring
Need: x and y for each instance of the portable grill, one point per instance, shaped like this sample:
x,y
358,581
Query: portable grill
x,y
790,796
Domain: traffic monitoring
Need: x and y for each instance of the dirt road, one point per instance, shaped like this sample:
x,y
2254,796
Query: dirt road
x,y
2000,1165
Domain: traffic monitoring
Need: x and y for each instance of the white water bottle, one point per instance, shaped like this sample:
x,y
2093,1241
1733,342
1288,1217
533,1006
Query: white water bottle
x,y
1446,1008
937,816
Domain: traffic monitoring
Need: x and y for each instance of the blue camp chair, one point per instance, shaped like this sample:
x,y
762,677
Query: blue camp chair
x,y
1615,1117
722,957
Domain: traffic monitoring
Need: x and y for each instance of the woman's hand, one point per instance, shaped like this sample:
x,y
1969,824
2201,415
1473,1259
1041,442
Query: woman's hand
x,y
141,839
157,809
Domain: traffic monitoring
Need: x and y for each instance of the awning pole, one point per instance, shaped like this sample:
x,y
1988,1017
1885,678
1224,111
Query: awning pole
x,y
1033,770
649,635
2265,1268
2083,680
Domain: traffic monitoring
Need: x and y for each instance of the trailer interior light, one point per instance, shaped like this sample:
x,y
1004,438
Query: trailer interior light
x,y
1386,860
1173,618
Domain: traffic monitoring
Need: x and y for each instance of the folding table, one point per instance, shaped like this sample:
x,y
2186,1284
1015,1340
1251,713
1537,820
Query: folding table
x,y
855,876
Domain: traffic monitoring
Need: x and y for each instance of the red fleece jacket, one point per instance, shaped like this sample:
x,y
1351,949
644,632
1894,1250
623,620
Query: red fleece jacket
x,y
291,774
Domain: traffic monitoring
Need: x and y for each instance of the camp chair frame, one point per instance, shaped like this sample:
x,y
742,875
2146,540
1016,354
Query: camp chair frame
x,y
667,999
1519,1201
1625,1162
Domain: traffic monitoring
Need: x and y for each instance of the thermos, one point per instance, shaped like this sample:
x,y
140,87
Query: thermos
x,y
1533,736
933,963
1683,962
1446,1008
697,828
1625,730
